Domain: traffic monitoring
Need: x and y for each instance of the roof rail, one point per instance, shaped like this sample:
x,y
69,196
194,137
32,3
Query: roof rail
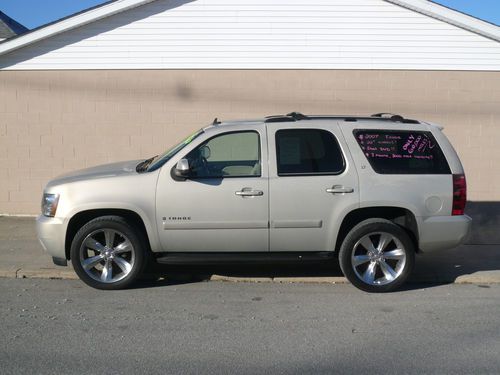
x,y
395,118
390,116
279,118
297,116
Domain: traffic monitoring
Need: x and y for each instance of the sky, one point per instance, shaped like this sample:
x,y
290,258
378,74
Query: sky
x,y
34,13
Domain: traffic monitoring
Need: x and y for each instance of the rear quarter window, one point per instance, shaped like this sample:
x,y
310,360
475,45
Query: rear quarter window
x,y
402,152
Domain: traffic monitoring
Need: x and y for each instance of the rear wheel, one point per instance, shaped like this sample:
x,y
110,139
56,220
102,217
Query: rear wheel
x,y
107,253
377,256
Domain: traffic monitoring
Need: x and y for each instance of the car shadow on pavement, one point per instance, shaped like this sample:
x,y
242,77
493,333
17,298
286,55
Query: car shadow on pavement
x,y
326,272
478,264
198,273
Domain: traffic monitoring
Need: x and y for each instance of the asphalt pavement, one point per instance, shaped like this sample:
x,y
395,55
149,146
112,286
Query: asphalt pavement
x,y
21,256
64,327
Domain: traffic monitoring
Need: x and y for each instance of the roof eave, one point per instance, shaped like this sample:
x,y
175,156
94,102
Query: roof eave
x,y
70,23
452,17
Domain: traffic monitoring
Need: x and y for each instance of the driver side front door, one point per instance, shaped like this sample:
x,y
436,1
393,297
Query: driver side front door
x,y
223,205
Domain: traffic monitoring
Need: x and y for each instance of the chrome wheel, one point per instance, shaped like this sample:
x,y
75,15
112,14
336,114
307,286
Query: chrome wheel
x,y
378,258
107,255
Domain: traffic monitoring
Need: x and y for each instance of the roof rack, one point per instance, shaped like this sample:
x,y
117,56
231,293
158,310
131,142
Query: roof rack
x,y
279,118
297,116
390,116
395,118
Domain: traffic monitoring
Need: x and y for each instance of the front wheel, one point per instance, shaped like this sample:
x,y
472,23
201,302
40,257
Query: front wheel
x,y
107,253
377,256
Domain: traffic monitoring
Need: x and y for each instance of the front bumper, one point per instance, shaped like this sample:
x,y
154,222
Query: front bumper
x,y
51,234
443,232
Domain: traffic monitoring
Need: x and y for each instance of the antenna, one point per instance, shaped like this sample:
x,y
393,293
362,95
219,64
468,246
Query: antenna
x,y
216,122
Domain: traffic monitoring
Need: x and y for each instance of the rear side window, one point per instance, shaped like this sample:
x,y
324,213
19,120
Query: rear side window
x,y
402,152
308,152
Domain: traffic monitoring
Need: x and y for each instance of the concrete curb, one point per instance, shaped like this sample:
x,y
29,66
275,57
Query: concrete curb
x,y
466,279
44,273
9,273
484,277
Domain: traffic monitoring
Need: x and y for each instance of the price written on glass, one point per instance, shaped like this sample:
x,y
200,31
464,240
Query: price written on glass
x,y
392,146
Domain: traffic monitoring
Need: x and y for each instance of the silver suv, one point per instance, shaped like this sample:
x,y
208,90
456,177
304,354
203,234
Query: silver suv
x,y
371,190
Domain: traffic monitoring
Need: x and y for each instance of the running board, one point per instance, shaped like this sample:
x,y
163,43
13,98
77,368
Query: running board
x,y
246,258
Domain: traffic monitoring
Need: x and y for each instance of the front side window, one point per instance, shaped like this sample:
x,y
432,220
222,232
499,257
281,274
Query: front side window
x,y
159,160
308,152
228,155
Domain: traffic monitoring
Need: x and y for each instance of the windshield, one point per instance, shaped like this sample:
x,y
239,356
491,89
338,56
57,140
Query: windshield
x,y
159,160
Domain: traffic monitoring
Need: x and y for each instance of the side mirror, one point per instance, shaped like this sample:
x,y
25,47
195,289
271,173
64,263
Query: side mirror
x,y
182,168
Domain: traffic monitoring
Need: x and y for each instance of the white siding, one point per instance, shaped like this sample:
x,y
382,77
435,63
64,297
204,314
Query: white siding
x,y
263,34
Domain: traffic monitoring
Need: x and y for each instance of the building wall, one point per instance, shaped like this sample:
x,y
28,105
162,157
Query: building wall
x,y
52,122
263,34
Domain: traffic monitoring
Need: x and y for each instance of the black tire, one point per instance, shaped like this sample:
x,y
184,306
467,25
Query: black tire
x,y
385,270
125,265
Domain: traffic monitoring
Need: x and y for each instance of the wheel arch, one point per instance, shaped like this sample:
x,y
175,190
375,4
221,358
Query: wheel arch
x,y
83,217
398,215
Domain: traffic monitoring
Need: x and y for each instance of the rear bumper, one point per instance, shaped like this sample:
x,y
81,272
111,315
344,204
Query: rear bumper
x,y
443,232
51,234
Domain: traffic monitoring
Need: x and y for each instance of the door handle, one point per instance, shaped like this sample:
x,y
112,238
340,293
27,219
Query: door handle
x,y
339,189
248,192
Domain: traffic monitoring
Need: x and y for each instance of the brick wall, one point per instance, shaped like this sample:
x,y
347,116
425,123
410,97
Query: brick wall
x,y
56,121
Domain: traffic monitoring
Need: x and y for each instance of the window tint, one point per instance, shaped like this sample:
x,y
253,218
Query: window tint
x,y
227,155
402,152
308,151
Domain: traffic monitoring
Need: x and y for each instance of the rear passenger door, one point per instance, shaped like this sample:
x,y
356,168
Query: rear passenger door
x,y
313,184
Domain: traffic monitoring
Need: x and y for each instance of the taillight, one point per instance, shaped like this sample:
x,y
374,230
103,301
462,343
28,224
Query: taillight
x,y
459,194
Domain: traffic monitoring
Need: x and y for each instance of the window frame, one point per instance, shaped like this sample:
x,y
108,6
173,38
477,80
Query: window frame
x,y
175,150
427,133
259,140
302,174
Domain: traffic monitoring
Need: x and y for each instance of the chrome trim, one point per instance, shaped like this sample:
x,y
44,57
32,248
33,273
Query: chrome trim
x,y
297,223
339,189
215,225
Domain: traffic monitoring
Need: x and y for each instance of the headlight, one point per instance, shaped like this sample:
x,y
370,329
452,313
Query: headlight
x,y
49,204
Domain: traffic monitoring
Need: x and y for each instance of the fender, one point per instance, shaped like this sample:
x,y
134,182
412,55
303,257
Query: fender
x,y
151,229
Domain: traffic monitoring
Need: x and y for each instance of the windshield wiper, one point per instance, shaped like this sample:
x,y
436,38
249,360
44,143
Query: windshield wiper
x,y
143,165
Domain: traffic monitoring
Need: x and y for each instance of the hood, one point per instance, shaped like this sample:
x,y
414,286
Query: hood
x,y
100,171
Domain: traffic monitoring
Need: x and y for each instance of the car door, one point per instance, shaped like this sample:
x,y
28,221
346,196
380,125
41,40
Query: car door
x,y
223,204
313,184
